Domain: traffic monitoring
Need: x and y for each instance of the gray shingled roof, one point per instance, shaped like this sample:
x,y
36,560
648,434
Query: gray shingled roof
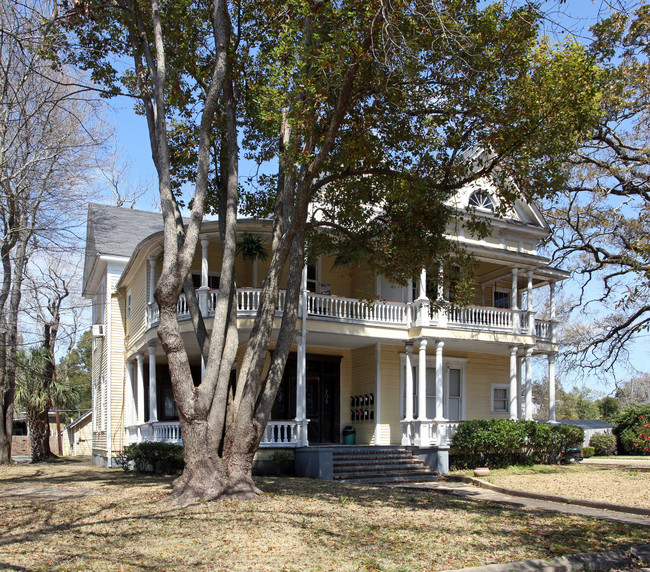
x,y
116,231
586,423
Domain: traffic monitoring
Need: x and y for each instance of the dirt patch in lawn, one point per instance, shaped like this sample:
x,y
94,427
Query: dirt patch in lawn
x,y
297,524
619,485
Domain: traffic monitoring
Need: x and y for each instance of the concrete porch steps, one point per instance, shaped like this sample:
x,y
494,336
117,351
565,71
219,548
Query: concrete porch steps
x,y
374,465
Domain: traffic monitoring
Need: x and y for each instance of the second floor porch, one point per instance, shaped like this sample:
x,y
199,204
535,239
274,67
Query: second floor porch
x,y
396,315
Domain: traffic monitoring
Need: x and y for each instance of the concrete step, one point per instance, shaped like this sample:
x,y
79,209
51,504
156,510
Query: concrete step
x,y
379,465
379,474
384,480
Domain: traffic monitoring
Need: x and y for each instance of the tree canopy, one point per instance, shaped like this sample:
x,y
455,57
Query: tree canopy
x,y
363,118
601,219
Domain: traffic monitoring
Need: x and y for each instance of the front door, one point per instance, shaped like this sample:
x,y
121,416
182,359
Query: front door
x,y
322,397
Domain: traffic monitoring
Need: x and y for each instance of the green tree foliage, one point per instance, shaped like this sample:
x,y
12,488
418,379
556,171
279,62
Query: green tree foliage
x,y
632,427
601,222
362,117
576,403
76,369
608,408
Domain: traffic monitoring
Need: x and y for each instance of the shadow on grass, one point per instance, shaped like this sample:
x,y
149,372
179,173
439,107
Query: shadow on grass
x,y
376,526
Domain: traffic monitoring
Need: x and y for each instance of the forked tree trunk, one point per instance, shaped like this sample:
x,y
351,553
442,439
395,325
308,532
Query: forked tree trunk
x,y
209,476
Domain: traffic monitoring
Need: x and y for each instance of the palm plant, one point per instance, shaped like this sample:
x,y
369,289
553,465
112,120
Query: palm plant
x,y
37,391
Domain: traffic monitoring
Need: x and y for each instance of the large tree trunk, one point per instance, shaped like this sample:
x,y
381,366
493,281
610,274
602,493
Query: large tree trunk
x,y
39,435
6,406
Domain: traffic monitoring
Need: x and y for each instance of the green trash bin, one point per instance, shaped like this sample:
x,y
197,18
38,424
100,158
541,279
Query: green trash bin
x,y
348,435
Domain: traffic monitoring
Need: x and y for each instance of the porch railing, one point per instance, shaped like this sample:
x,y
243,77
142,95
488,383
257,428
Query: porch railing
x,y
352,309
282,434
160,431
481,317
394,314
277,433
429,432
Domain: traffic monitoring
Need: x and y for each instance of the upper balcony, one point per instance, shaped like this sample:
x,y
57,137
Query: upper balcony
x,y
396,315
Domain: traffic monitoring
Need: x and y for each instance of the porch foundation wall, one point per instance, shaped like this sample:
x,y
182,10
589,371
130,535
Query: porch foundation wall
x,y
436,458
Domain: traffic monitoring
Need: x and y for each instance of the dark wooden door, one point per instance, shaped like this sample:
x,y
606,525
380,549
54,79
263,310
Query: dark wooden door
x,y
322,397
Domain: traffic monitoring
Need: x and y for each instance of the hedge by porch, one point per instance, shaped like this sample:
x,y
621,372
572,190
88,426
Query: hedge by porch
x,y
499,443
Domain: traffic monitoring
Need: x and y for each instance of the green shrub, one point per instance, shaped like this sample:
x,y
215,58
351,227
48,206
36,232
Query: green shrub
x,y
587,452
498,443
603,443
632,427
151,457
284,462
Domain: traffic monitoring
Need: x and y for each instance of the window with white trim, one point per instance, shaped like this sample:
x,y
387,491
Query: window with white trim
x,y
453,387
500,398
128,304
481,199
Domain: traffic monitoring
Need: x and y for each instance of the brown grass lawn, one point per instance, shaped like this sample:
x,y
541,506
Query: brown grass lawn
x,y
123,523
618,485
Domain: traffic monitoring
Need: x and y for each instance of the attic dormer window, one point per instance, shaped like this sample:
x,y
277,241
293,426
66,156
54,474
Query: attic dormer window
x,y
481,200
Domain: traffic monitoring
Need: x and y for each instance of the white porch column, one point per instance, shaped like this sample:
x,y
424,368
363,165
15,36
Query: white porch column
x,y
408,405
422,317
440,416
408,396
153,401
129,395
140,387
514,405
204,262
551,388
514,296
529,305
203,291
422,380
424,440
553,313
529,384
301,366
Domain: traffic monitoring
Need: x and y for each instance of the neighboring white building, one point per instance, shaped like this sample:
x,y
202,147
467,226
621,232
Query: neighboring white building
x,y
394,370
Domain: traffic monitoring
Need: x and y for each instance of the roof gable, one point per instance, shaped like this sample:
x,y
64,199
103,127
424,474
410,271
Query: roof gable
x,y
116,231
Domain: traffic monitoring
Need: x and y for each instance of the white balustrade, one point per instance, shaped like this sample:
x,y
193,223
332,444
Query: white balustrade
x,y
280,434
182,308
352,309
481,317
169,432
396,314
153,315
544,329
440,432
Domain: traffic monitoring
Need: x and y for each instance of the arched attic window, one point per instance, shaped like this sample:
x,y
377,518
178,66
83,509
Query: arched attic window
x,y
481,200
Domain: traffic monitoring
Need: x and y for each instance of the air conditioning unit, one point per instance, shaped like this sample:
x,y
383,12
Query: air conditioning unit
x,y
98,330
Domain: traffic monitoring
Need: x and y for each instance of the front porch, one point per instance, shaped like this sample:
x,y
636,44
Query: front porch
x,y
278,434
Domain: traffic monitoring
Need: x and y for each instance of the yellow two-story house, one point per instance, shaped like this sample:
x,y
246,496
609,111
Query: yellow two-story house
x,y
370,359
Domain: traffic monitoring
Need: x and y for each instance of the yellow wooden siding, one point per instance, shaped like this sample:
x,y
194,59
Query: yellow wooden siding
x,y
390,430
338,277
136,323
363,382
481,372
118,307
99,442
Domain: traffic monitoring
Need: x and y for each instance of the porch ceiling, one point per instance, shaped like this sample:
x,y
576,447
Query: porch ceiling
x,y
348,341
